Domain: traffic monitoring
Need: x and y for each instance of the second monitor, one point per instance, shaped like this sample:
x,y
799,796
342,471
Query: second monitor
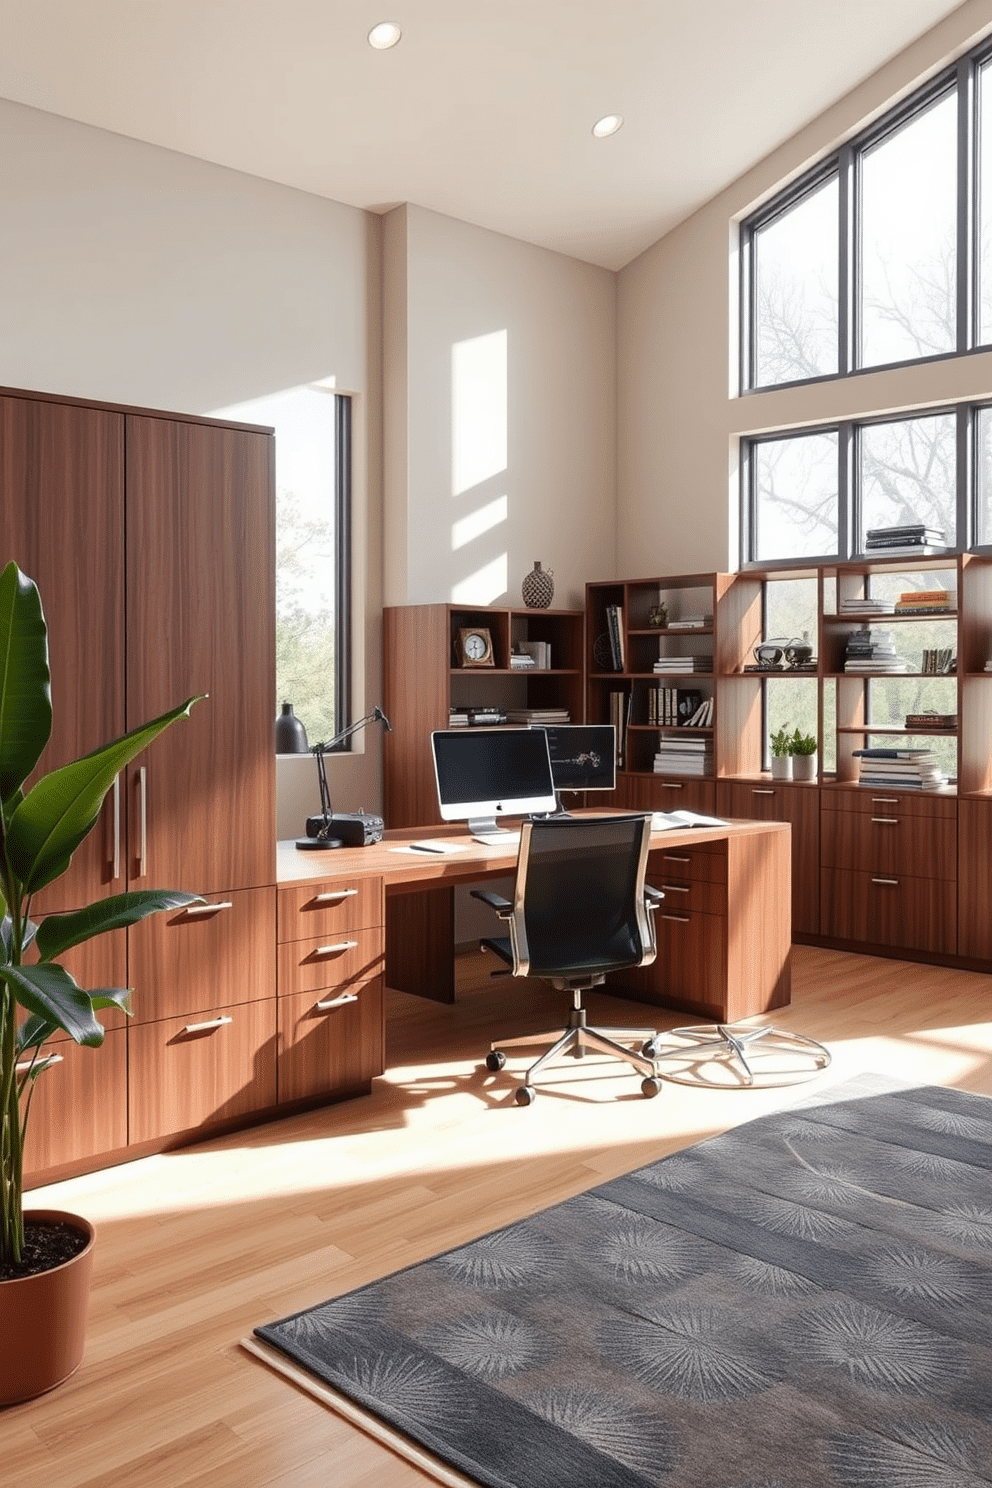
x,y
583,756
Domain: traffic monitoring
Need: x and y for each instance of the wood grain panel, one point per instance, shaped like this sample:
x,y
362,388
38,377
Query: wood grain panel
x,y
915,914
98,963
690,969
652,793
889,842
309,965
79,1106
330,1050
974,875
327,908
690,894
420,936
62,519
201,618
683,864
759,968
416,669
800,805
183,1077
910,803
189,961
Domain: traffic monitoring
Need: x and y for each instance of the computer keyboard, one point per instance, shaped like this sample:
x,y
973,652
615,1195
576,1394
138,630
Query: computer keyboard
x,y
497,839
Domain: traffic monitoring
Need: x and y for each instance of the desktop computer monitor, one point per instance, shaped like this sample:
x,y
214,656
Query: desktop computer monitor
x,y
486,773
583,756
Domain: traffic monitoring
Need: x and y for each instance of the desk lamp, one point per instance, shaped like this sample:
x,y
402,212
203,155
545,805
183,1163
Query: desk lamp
x,y
323,826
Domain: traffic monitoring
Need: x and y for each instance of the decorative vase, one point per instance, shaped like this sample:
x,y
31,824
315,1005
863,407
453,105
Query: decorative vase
x,y
43,1318
781,766
804,767
538,587
291,736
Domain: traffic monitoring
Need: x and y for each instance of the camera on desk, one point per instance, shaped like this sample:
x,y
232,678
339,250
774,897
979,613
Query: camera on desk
x,y
353,828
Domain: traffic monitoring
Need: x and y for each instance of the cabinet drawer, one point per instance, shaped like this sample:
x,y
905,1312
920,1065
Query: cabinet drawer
x,y
795,803
79,1105
678,795
191,1072
311,965
706,863
916,914
889,842
323,908
205,956
868,801
330,1043
682,894
690,970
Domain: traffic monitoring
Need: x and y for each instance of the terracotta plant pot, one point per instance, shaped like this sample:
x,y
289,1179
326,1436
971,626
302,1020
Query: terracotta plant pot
x,y
43,1319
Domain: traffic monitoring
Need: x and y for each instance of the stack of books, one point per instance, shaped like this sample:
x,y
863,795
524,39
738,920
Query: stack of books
x,y
458,718
865,606
537,715
683,707
691,622
872,652
486,717
926,602
536,652
673,665
931,719
938,660
678,755
915,538
520,661
906,769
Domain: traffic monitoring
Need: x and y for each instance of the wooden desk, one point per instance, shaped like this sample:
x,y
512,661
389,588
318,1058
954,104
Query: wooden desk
x,y
723,931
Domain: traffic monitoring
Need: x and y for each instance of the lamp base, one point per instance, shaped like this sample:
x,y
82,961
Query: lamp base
x,y
309,844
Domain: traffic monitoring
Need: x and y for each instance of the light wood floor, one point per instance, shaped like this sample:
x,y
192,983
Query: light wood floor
x,y
196,1248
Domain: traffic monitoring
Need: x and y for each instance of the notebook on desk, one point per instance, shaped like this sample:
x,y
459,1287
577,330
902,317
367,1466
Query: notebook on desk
x,y
668,821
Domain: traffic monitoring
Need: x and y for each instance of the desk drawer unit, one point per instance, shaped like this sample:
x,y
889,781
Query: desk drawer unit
x,y
325,908
690,970
196,1071
798,804
705,862
890,909
890,841
330,1043
322,965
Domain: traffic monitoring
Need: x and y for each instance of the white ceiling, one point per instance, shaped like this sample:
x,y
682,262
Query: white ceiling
x,y
482,112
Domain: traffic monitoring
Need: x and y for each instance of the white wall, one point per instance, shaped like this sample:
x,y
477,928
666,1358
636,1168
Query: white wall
x,y
137,275
679,416
500,395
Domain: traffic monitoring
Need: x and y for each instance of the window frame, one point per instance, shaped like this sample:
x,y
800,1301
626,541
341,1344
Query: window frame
x,y
343,618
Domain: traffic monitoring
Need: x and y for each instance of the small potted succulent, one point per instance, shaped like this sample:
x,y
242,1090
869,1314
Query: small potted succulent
x,y
781,744
46,1255
802,748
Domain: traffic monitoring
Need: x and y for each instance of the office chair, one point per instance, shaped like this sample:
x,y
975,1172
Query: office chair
x,y
580,909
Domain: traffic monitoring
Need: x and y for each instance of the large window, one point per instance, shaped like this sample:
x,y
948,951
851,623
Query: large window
x,y
795,289
313,497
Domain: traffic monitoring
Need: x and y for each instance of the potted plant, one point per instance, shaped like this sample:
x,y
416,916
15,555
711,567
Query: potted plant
x,y
781,742
45,1257
802,747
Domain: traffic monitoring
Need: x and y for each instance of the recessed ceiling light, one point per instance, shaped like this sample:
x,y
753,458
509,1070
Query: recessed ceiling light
x,y
607,125
385,35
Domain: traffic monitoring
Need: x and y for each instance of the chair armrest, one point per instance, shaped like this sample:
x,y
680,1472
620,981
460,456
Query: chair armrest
x,y
502,906
653,896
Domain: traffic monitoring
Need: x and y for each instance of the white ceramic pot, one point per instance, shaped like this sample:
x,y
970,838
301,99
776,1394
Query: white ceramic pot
x,y
781,766
804,766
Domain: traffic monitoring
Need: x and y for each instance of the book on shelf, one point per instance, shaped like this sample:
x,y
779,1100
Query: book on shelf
x,y
620,703
913,536
538,715
669,821
458,719
673,664
481,717
614,628
915,609
907,550
865,607
519,663
938,661
896,751
927,597
537,652
930,720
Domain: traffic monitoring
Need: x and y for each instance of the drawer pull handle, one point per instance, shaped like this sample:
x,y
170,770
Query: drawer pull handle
x,y
892,881
671,858
205,1027
767,790
336,1002
885,800
208,909
332,896
331,950
676,888
671,785
117,826
142,821
44,1059
679,919
886,821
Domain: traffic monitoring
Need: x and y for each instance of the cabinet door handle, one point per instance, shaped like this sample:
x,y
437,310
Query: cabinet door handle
x,y
886,821
766,790
672,858
142,820
205,1027
330,950
885,800
333,895
208,909
671,785
45,1059
117,825
336,1002
894,882
679,919
676,888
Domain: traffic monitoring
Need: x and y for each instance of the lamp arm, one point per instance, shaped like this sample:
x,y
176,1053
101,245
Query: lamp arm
x,y
319,751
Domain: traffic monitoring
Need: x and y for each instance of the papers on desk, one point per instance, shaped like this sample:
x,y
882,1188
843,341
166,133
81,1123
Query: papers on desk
x,y
431,847
668,821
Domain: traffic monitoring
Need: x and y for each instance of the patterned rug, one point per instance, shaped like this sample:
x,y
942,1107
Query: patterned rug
x,y
803,1302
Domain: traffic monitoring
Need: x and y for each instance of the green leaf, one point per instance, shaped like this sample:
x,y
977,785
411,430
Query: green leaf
x,y
33,1032
50,993
25,681
61,808
42,1064
60,931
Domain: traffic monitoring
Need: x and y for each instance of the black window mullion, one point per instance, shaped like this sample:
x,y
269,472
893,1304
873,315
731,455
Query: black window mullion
x,y
966,483
845,261
342,541
848,491
747,293
967,257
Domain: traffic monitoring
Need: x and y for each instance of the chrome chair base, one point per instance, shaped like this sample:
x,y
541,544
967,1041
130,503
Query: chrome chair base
x,y
574,1041
741,1058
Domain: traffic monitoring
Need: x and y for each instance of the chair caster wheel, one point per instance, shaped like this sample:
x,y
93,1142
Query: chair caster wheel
x,y
650,1085
650,1048
495,1061
525,1095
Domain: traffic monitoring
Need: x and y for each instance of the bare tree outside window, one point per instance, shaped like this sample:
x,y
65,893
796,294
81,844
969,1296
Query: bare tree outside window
x,y
909,474
796,496
795,279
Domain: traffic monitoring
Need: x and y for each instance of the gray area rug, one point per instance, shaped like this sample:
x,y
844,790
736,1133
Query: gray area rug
x,y
804,1301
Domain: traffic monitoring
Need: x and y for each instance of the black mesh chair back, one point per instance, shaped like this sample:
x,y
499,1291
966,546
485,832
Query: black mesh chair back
x,y
579,905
